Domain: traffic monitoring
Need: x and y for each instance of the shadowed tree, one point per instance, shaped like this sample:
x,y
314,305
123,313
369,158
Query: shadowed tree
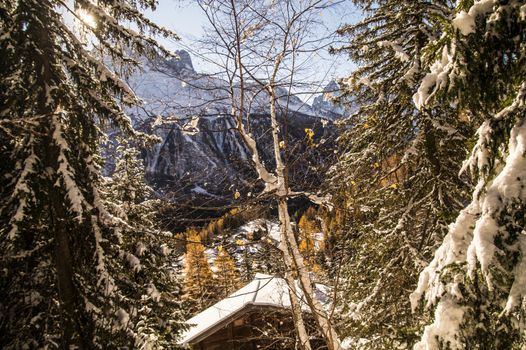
x,y
68,277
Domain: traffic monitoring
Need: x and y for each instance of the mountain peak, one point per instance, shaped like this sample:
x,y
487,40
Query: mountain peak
x,y
324,106
181,65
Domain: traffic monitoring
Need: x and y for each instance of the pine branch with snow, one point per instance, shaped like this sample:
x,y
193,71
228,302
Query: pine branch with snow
x,y
397,175
475,281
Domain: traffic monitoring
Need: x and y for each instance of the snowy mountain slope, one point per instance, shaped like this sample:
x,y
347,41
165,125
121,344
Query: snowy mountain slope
x,y
252,245
173,88
200,147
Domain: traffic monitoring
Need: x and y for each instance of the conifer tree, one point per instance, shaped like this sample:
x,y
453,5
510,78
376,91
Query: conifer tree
x,y
126,188
308,244
476,281
66,280
148,251
226,273
247,268
398,172
199,283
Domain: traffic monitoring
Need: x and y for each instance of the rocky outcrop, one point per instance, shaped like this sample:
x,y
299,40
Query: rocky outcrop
x,y
201,154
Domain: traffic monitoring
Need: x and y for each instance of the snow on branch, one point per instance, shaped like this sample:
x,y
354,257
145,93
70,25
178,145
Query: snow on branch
x,y
22,192
453,250
437,78
102,70
105,280
506,189
64,170
472,239
324,201
479,158
465,21
448,318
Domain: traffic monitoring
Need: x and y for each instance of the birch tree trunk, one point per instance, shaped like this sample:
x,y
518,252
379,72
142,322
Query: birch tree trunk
x,y
297,316
265,37
57,211
289,241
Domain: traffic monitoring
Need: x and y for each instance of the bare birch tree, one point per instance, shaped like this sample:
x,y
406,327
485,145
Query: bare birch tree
x,y
262,47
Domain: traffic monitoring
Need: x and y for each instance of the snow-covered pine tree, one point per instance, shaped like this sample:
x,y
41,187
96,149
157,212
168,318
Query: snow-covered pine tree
x,y
126,188
226,273
148,251
476,282
199,283
65,280
398,172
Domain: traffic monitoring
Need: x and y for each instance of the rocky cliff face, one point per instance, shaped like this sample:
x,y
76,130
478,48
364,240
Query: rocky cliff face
x,y
201,155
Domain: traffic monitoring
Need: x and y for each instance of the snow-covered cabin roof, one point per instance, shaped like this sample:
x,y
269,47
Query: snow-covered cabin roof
x,y
263,290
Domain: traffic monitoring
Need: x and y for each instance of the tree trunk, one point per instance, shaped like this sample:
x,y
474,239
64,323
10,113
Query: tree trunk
x,y
63,265
298,265
57,210
297,316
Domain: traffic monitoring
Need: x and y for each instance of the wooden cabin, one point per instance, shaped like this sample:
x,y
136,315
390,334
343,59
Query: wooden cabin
x,y
257,316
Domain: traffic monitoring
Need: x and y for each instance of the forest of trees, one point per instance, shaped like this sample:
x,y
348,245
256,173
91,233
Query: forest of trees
x,y
415,222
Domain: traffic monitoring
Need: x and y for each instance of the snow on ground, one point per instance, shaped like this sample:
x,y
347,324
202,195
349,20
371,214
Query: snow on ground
x,y
247,238
200,190
319,238
273,230
211,255
252,226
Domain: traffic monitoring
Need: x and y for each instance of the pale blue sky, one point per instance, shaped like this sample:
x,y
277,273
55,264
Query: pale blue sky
x,y
186,19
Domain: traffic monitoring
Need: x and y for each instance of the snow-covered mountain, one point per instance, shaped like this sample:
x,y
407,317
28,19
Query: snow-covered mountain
x,y
201,154
323,106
